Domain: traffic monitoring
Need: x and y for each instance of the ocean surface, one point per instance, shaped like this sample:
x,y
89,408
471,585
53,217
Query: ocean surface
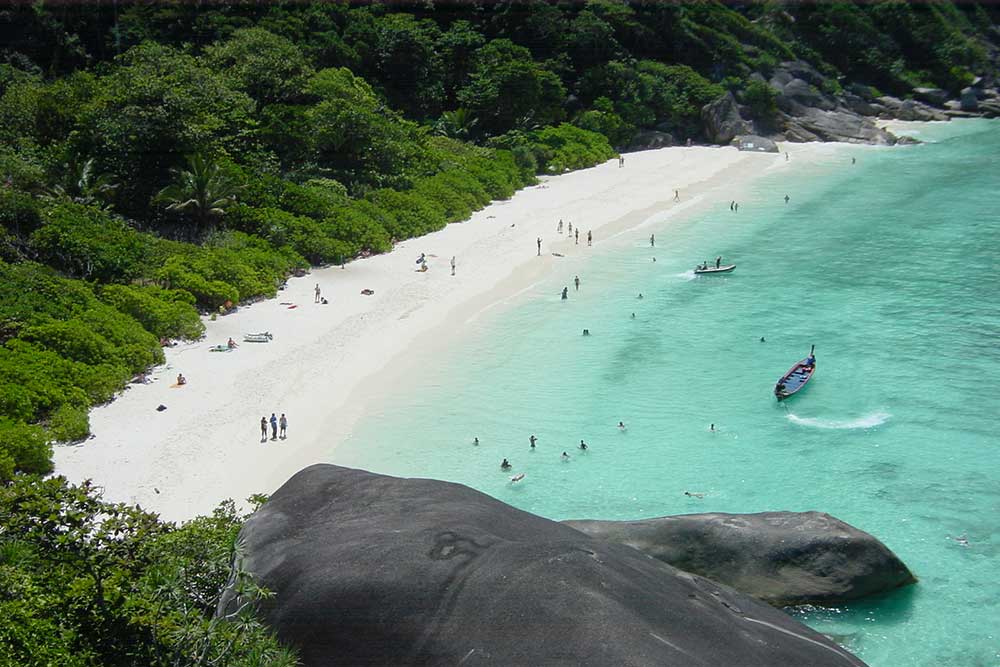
x,y
890,266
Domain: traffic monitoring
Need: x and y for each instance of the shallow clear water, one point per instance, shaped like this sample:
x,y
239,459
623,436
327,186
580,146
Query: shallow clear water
x,y
889,266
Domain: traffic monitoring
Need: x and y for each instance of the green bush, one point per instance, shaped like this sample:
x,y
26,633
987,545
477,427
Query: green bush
x,y
68,423
164,313
23,447
762,100
19,212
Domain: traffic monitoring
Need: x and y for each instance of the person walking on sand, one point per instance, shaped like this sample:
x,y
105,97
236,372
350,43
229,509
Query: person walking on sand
x,y
263,429
538,242
559,228
652,241
590,237
577,236
317,293
274,427
283,426
677,195
452,265
576,281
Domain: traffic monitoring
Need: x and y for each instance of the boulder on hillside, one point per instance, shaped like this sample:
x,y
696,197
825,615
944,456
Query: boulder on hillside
x,y
840,125
755,144
375,570
798,93
909,110
860,105
722,121
780,557
933,96
969,99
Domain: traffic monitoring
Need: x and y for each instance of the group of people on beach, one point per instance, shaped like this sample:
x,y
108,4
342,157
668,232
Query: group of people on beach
x,y
279,427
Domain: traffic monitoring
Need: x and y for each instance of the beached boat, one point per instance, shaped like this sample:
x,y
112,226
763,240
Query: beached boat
x,y
711,269
796,378
263,337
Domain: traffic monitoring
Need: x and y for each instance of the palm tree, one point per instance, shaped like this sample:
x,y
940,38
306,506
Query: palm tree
x,y
202,190
457,124
83,185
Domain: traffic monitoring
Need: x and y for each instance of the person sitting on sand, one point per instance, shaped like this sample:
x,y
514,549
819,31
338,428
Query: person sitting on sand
x,y
181,379
505,465
231,344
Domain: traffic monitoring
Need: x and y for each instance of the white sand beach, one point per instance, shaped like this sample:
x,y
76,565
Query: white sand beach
x,y
206,446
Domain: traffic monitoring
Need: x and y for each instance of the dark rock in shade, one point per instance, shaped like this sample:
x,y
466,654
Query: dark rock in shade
x,y
969,99
906,140
933,96
860,105
374,570
799,92
753,143
722,121
780,557
647,139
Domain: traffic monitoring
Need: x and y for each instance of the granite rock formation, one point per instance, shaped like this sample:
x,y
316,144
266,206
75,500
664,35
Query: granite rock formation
x,y
783,558
375,570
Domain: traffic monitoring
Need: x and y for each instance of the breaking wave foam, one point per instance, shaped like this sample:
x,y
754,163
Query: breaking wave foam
x,y
868,421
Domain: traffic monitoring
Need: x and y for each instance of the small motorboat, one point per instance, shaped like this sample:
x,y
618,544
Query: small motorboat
x,y
726,268
262,337
796,378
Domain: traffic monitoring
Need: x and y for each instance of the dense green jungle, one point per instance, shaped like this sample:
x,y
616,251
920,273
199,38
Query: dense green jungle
x,y
163,161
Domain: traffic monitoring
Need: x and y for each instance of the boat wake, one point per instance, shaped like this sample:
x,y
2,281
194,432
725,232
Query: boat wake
x,y
687,275
868,421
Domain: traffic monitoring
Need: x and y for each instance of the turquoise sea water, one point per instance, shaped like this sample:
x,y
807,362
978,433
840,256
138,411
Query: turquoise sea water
x,y
891,267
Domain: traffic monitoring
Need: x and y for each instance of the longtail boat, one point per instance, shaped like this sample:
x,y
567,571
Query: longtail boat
x,y
796,378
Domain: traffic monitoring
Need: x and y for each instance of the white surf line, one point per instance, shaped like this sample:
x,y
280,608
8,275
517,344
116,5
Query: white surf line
x,y
838,651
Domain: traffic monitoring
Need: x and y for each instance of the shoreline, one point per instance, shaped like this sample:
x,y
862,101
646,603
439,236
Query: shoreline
x,y
328,365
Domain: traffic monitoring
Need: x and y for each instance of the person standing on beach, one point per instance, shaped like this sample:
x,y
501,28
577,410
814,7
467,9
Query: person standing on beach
x,y
576,281
274,427
538,241
786,156
559,228
532,440
652,241
283,425
677,195
263,429
452,265
621,161
590,238
577,236
317,293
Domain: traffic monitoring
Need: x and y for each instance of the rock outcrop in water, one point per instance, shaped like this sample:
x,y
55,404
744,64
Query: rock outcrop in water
x,y
375,570
782,558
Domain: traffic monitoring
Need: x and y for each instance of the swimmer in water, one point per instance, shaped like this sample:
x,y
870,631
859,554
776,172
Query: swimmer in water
x,y
583,445
505,465
621,425
711,427
633,316
762,339
694,495
565,456
475,441
640,296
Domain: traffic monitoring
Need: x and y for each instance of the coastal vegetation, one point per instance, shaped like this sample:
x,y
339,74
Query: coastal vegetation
x,y
160,162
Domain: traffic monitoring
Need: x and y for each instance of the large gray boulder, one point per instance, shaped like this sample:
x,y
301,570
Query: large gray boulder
x,y
969,99
840,125
782,558
722,121
649,139
374,570
909,110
